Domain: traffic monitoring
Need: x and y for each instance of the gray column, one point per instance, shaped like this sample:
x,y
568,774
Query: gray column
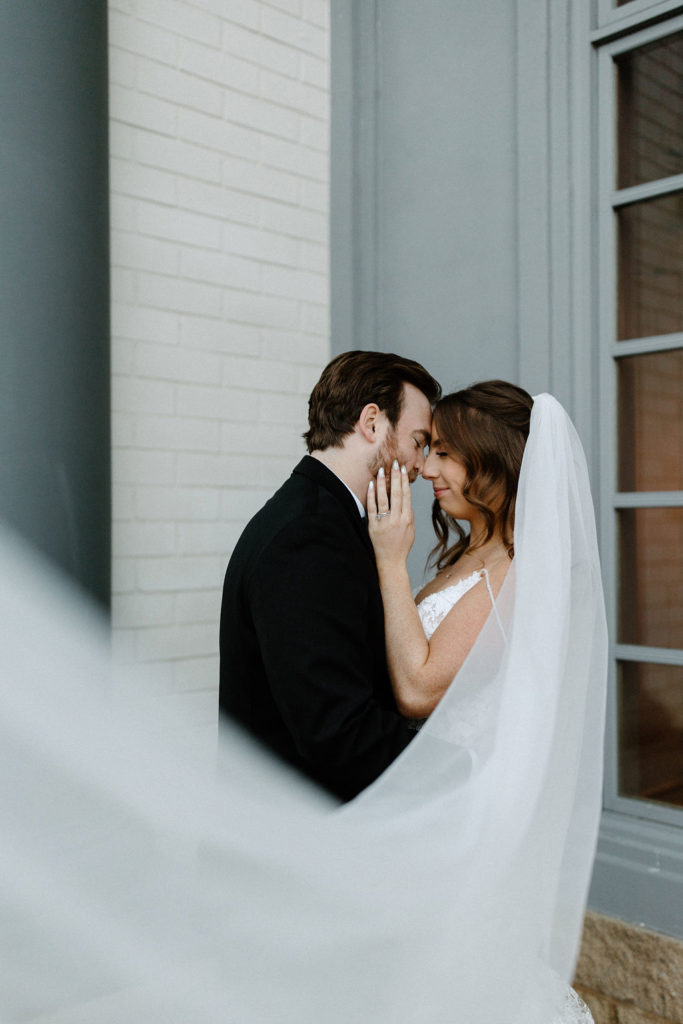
x,y
54,283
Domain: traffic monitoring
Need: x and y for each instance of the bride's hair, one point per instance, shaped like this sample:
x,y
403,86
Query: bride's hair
x,y
486,427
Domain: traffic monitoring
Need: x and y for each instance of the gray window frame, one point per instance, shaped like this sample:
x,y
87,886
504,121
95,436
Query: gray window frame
x,y
639,868
611,19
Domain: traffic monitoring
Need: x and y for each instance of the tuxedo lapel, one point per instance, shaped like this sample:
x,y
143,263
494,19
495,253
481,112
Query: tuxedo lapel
x,y
362,527
324,477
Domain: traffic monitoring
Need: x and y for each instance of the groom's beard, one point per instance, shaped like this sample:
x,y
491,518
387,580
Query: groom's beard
x,y
385,457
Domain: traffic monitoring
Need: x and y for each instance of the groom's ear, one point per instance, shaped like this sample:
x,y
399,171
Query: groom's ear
x,y
369,421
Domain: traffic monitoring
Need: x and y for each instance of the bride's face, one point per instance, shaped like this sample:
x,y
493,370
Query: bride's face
x,y
447,476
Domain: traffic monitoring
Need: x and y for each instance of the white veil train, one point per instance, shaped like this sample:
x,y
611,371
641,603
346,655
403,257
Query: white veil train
x,y
137,887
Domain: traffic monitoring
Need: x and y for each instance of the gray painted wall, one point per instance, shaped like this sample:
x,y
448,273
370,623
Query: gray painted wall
x,y
54,283
445,188
423,188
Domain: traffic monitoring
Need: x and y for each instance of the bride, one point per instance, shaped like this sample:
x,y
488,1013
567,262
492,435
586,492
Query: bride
x,y
478,440
137,885
474,464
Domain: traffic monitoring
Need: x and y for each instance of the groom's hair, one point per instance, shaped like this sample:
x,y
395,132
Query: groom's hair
x,y
353,380
486,427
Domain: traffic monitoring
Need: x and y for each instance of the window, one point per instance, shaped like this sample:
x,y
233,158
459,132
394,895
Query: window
x,y
641,341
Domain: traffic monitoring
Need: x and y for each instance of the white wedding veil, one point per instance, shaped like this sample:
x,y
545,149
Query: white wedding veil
x,y
138,886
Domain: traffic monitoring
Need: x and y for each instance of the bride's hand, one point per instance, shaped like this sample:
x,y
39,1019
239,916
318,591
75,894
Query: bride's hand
x,y
391,528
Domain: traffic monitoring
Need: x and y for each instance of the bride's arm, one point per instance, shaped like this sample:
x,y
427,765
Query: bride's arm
x,y
420,670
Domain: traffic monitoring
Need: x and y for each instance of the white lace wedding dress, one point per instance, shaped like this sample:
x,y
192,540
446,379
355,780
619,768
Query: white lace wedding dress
x,y
432,610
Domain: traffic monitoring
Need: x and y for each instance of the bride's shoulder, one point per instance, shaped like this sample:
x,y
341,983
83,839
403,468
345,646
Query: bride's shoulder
x,y
499,567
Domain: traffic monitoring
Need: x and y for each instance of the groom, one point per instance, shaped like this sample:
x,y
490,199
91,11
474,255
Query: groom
x,y
303,663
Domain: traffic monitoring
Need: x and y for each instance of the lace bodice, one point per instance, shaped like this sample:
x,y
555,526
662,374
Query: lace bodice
x,y
435,607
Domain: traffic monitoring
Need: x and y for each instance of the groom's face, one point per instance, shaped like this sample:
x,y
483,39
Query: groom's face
x,y
408,439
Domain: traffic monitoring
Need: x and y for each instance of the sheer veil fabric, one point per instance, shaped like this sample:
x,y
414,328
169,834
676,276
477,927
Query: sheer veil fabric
x,y
139,886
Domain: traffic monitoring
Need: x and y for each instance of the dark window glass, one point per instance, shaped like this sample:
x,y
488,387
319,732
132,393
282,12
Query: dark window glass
x,y
650,103
651,267
651,732
651,577
651,422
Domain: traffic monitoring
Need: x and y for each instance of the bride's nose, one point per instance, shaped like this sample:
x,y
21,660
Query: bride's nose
x,y
430,470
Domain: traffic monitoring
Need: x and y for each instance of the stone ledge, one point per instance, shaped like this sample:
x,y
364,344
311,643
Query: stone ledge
x,y
603,1010
630,975
632,1015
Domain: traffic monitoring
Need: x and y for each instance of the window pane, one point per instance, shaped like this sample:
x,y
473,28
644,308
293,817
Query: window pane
x,y
651,422
651,577
650,97
651,267
651,732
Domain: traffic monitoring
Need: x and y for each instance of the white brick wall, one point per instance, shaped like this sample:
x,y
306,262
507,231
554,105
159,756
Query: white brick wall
x,y
219,182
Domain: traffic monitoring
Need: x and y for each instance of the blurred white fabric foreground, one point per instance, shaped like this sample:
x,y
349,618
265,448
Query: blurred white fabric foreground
x,y
138,887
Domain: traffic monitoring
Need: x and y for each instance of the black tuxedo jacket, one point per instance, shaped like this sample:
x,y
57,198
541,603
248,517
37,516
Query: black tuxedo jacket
x,y
303,664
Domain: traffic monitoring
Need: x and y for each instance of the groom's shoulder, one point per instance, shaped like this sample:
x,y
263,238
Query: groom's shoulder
x,y
302,494
305,503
